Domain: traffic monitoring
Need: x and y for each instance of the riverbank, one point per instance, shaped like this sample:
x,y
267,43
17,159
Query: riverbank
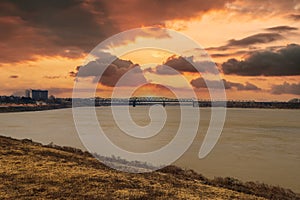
x,y
4,108
22,108
32,170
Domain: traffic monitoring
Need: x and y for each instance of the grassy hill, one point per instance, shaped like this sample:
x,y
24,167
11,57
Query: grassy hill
x,y
29,170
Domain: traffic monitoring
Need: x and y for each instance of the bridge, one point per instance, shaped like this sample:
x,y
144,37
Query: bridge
x,y
170,102
186,102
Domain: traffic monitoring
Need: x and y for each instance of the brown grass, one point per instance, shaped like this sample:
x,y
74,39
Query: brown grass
x,y
29,170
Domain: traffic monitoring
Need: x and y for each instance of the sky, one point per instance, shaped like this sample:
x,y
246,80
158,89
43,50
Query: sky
x,y
255,45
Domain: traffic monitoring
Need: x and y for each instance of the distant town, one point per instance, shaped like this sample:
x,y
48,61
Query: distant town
x,y
35,100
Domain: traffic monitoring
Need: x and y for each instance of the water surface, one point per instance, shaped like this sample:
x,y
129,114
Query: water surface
x,y
256,144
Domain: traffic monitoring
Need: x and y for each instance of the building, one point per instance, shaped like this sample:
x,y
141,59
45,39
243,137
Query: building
x,y
37,95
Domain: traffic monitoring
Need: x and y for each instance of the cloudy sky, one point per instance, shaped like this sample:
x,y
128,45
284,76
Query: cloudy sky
x,y
254,43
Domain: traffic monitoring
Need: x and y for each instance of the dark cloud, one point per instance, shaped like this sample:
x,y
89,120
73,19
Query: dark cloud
x,y
295,17
37,28
286,88
260,38
262,8
132,76
110,69
14,76
16,36
128,14
284,62
72,73
269,48
282,29
65,23
236,53
201,83
164,70
246,86
220,55
184,64
181,64
71,28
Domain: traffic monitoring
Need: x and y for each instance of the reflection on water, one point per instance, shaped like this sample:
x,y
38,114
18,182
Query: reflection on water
x,y
256,144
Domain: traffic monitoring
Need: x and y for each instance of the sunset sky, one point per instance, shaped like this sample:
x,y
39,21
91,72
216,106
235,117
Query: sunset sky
x,y
254,43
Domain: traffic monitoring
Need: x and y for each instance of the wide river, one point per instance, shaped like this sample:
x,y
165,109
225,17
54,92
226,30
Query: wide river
x,y
255,145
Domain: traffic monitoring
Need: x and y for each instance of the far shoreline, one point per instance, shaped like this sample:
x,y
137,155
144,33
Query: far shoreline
x,y
21,108
33,107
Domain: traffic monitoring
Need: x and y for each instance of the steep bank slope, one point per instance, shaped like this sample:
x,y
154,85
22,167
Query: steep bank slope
x,y
31,170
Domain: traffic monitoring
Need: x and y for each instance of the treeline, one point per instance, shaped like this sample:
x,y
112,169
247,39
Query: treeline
x,y
248,104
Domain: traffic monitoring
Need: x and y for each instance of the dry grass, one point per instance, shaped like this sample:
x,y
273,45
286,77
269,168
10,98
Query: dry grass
x,y
29,170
